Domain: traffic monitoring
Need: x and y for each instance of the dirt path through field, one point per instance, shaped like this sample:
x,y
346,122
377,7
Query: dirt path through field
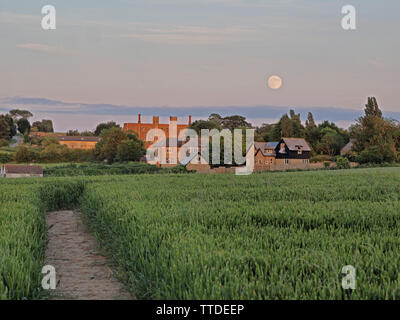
x,y
81,272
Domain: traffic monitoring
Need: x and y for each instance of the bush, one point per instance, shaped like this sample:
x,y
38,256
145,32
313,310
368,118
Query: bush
x,y
25,154
5,157
97,169
352,156
370,155
3,143
342,163
321,158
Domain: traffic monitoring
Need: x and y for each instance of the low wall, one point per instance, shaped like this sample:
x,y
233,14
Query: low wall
x,y
205,168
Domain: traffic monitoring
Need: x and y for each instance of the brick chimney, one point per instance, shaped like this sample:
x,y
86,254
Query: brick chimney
x,y
156,120
173,119
190,120
139,118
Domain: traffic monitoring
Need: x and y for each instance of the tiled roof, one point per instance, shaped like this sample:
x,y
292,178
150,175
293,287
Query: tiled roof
x,y
294,143
267,148
272,144
348,147
21,169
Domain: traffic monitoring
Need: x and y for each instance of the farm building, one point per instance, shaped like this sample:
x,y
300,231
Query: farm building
x,y
20,171
288,153
347,148
169,149
79,142
141,129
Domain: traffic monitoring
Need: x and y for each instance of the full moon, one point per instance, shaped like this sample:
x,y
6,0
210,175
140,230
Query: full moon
x,y
274,82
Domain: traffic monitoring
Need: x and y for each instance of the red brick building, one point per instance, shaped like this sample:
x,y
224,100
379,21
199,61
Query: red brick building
x,y
141,129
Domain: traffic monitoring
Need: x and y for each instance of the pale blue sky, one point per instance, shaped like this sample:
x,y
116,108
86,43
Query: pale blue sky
x,y
183,53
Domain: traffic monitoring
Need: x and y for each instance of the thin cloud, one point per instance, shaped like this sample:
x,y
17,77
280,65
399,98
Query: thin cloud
x,y
46,49
192,34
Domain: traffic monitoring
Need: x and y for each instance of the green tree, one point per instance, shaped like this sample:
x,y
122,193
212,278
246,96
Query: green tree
x,y
235,122
5,132
17,114
73,133
312,132
25,154
107,148
288,127
371,154
215,117
23,126
104,126
83,133
43,126
13,127
372,130
130,150
53,152
261,133
198,125
331,142
342,163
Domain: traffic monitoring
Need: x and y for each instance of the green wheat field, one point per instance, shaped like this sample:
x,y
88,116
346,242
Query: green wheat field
x,y
180,236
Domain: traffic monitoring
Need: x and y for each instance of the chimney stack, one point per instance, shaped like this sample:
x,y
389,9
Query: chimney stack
x,y
156,119
173,119
139,118
190,120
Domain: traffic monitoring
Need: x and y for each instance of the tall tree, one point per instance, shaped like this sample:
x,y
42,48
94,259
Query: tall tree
x,y
5,132
215,117
131,149
262,133
310,123
235,122
289,127
372,108
372,130
116,145
24,126
103,126
331,142
198,125
18,114
312,132
43,126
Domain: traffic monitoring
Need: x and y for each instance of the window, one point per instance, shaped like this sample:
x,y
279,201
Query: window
x,y
282,148
271,161
286,161
259,161
299,150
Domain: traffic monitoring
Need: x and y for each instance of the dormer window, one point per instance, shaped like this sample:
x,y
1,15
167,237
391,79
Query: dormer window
x,y
299,149
282,148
